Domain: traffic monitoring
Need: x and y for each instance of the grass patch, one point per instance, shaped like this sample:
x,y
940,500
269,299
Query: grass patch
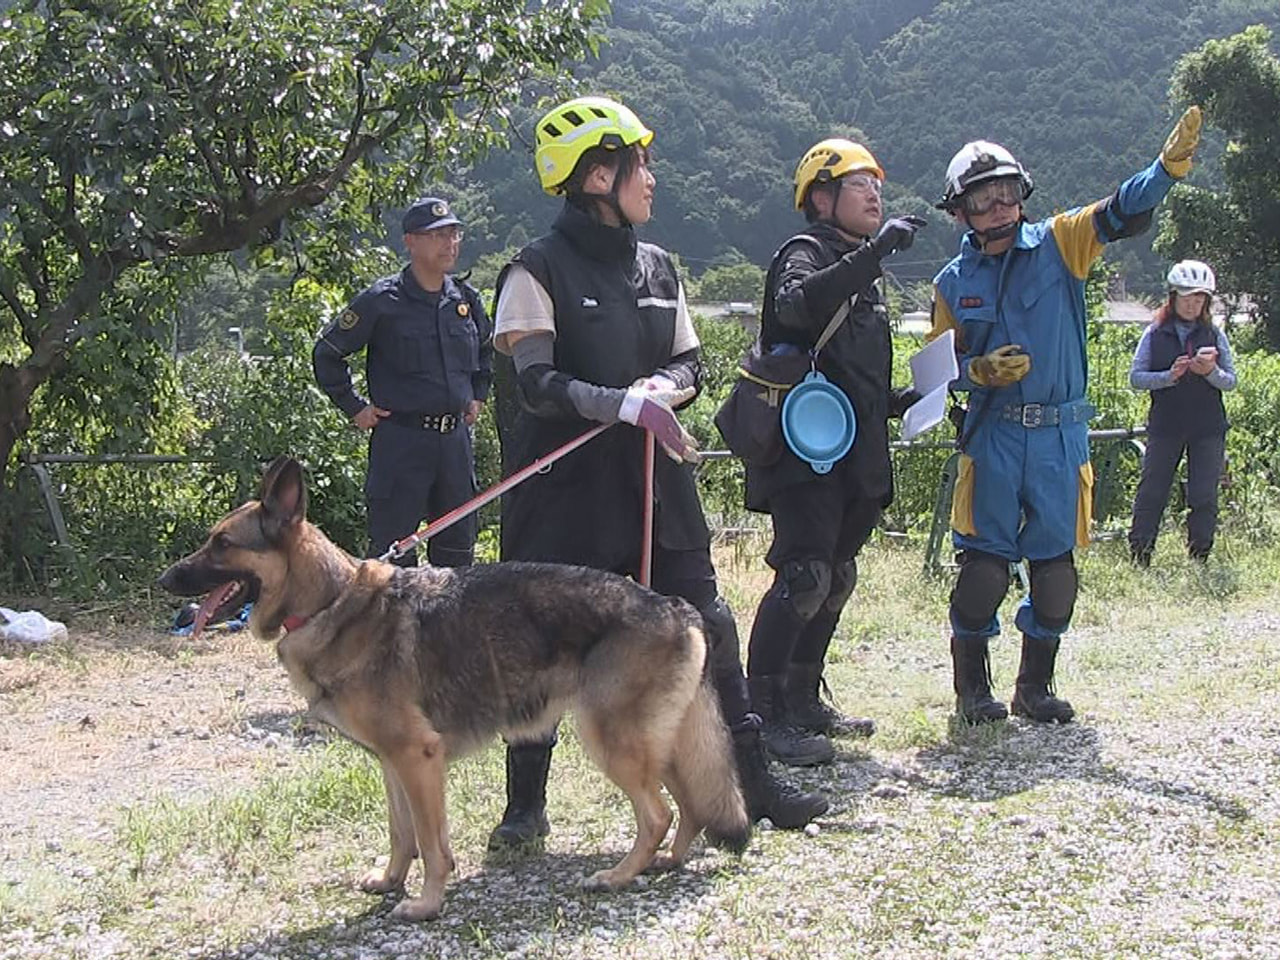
x,y
1064,835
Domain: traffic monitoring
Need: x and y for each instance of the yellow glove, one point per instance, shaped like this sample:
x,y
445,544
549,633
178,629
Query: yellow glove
x,y
1000,367
1182,143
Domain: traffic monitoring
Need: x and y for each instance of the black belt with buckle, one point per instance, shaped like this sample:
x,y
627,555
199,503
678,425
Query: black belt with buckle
x,y
1033,415
435,422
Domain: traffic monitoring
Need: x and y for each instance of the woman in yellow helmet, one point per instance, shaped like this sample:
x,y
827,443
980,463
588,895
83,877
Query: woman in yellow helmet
x,y
596,327
822,519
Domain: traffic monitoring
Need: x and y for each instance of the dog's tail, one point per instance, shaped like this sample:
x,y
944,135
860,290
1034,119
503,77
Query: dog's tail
x,y
708,776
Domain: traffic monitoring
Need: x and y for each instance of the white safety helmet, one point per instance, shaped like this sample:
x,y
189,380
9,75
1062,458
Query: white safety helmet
x,y
979,161
1192,276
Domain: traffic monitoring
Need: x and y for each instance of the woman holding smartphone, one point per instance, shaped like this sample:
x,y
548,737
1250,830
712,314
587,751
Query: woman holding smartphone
x,y
1185,362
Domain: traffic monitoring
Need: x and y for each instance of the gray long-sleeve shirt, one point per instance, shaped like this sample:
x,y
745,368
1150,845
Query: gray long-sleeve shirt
x,y
1222,376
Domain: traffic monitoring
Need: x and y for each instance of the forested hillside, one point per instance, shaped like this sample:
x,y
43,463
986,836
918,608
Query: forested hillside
x,y
736,89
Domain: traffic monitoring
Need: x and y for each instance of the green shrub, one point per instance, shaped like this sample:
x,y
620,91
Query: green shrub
x,y
234,414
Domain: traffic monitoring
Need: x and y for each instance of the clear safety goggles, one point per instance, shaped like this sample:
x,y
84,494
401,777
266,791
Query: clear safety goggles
x,y
862,182
982,198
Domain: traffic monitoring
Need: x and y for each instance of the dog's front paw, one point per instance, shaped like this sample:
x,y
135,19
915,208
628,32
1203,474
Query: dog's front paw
x,y
603,880
417,908
378,880
664,862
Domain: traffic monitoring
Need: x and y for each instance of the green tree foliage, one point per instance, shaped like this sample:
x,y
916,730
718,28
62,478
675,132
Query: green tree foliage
x,y
141,137
737,281
1236,229
736,90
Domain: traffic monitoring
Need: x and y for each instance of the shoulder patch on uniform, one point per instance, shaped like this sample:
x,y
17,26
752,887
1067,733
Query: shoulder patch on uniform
x,y
348,319
463,309
970,301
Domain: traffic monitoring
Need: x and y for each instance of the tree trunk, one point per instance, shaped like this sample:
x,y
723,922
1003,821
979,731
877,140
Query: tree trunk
x,y
17,384
1269,310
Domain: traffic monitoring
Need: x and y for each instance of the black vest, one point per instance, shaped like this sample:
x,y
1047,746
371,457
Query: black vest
x,y
859,360
615,323
1192,407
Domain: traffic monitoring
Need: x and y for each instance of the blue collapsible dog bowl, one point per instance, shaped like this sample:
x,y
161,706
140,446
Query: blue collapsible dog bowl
x,y
818,422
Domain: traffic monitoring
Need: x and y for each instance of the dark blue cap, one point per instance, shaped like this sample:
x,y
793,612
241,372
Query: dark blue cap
x,y
427,214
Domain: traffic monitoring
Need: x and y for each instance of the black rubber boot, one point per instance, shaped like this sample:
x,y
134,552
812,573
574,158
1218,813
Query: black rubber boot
x,y
525,819
1033,695
971,671
786,805
807,710
783,739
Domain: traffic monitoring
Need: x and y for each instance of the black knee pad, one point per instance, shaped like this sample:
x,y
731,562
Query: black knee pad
x,y
806,584
981,585
1053,590
844,577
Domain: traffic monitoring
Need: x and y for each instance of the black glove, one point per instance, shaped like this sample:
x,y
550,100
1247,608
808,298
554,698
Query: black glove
x,y
902,397
896,234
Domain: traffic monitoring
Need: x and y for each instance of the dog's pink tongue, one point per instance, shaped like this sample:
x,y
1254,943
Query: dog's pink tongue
x,y
211,603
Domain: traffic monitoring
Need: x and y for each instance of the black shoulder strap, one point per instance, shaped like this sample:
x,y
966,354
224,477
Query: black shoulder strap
x,y
767,315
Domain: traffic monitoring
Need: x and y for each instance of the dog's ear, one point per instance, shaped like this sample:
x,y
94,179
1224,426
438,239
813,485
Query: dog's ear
x,y
284,496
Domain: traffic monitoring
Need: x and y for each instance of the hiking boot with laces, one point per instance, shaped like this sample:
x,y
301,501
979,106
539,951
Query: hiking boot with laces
x,y
787,742
808,711
971,667
1033,694
787,806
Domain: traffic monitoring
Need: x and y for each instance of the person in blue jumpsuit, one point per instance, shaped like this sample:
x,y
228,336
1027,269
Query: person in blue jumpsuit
x,y
428,366
1015,298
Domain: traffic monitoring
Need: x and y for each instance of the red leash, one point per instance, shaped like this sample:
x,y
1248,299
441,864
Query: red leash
x,y
646,528
401,547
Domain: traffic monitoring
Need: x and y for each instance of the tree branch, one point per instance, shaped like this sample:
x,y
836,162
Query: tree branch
x,y
9,293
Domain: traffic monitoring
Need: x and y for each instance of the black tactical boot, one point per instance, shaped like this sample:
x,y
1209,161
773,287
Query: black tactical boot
x,y
525,819
787,742
1140,554
1033,695
807,710
787,806
971,670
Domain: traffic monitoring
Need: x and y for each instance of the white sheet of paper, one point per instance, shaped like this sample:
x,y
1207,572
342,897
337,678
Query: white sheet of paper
x,y
934,365
932,368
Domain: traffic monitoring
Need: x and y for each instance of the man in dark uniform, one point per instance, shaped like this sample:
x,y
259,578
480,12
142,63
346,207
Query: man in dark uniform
x,y
822,520
428,368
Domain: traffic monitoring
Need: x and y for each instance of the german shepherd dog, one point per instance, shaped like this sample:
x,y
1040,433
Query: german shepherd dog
x,y
422,665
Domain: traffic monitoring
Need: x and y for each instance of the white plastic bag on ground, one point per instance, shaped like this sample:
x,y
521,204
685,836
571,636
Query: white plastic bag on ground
x,y
30,626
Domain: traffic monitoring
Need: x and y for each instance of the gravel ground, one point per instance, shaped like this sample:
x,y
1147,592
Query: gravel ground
x,y
1150,828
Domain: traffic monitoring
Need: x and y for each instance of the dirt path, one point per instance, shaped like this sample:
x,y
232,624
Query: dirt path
x,y
1147,829
131,716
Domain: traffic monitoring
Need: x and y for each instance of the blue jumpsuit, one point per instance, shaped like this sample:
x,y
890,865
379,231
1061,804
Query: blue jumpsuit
x,y
429,355
1025,482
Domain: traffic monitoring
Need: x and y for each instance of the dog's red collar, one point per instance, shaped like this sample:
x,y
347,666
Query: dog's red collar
x,y
294,623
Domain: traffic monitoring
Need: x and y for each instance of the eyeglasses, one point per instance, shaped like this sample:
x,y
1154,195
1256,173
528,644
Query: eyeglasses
x,y
1007,191
862,181
450,234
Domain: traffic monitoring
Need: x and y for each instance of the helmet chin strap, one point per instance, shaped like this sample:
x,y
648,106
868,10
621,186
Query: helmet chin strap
x,y
987,237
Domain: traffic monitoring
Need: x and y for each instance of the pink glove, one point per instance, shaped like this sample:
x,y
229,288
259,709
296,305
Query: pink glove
x,y
640,408
663,389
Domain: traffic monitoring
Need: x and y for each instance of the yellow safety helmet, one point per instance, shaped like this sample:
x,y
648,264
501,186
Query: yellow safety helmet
x,y
829,159
574,127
